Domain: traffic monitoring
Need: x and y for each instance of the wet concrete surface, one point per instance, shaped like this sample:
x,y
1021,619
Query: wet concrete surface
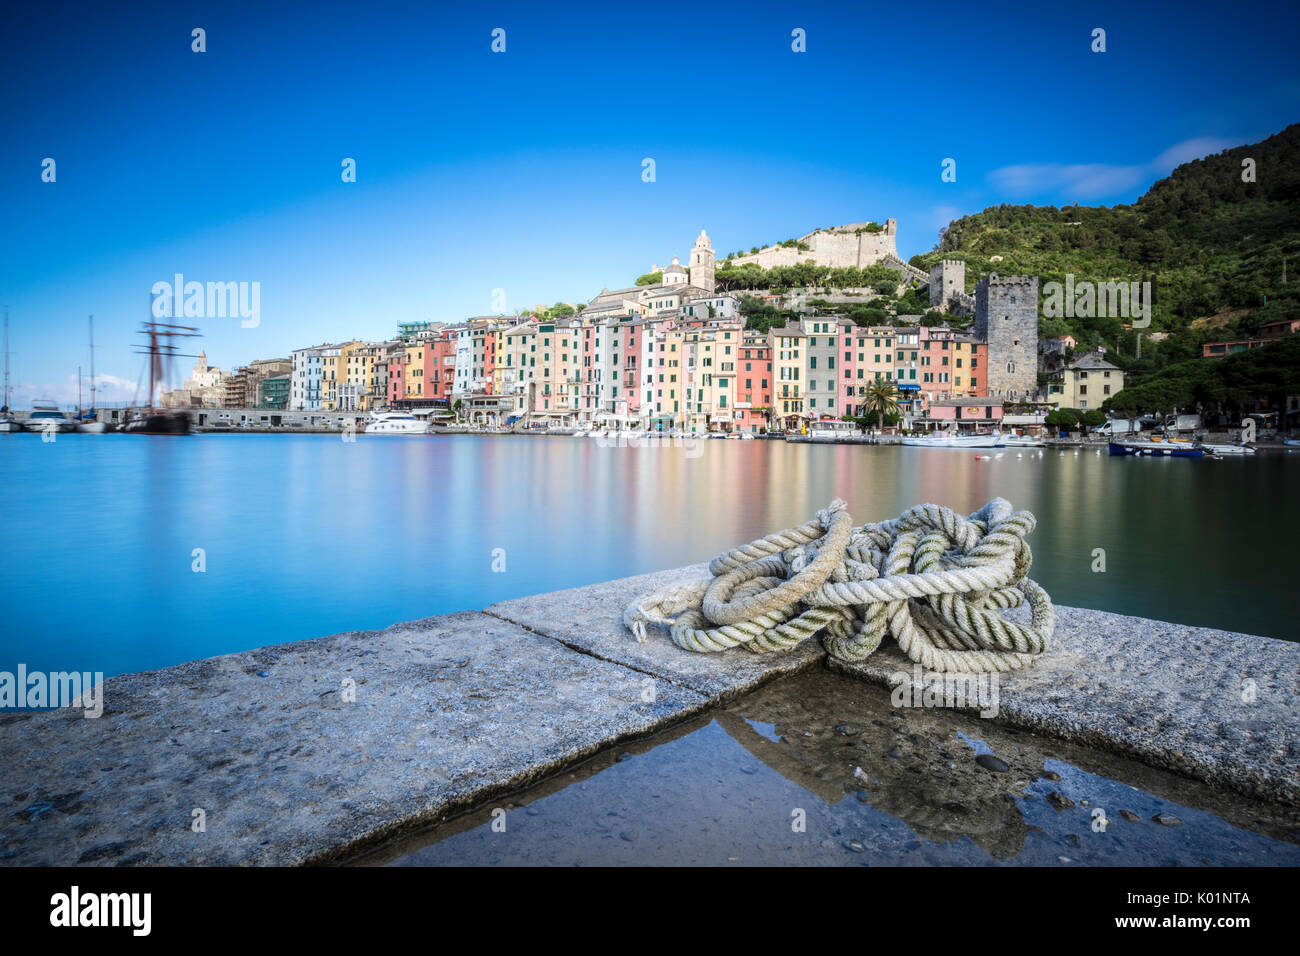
x,y
822,769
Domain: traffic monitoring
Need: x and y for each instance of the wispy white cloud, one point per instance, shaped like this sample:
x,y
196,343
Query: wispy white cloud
x,y
109,389
1090,181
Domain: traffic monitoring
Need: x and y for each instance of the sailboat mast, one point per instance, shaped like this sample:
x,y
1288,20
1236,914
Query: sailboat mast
x,y
92,366
6,358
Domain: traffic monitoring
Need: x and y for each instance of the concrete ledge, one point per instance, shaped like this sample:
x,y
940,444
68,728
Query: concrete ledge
x,y
448,712
590,619
453,711
1215,705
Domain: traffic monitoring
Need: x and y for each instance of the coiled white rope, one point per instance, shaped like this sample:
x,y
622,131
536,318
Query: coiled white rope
x,y
933,579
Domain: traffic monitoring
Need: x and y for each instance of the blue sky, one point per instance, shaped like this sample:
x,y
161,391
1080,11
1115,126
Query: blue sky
x,y
522,171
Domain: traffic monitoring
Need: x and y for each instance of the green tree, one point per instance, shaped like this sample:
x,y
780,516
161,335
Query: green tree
x,y
1062,419
882,399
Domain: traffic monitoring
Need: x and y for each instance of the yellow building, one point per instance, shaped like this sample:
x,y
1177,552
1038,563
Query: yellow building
x,y
1084,384
333,373
413,370
667,385
356,393
516,359
788,393
709,394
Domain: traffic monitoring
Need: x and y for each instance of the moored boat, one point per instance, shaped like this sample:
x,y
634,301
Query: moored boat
x,y
1159,449
948,440
158,422
830,429
1234,448
46,417
395,423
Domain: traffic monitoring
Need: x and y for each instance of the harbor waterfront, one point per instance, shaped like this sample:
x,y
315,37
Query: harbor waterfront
x,y
139,553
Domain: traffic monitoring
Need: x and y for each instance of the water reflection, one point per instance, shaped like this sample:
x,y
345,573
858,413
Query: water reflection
x,y
868,784
306,535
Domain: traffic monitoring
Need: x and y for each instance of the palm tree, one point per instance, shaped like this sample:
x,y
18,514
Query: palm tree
x,y
882,398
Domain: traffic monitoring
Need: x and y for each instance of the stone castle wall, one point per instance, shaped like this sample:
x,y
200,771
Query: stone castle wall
x,y
837,248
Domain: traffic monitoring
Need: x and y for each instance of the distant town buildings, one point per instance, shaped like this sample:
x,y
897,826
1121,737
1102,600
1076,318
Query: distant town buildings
x,y
1267,333
675,354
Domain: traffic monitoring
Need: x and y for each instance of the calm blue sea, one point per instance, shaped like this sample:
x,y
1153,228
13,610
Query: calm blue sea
x,y
308,535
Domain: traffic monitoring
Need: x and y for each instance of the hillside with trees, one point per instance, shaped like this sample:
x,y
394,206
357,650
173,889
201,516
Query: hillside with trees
x,y
1214,246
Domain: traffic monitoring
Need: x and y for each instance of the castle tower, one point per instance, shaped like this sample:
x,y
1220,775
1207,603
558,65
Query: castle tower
x,y
702,264
1006,319
947,282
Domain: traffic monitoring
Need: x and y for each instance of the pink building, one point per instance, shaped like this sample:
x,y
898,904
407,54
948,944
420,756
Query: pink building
x,y
848,391
753,383
970,414
626,397
396,378
440,366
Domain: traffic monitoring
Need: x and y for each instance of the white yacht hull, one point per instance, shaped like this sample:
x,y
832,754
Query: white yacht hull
x,y
994,440
385,428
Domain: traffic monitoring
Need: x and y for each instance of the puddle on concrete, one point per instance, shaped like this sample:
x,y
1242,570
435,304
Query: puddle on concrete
x,y
820,769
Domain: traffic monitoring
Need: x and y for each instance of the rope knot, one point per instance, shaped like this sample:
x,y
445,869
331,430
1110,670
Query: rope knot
x,y
932,579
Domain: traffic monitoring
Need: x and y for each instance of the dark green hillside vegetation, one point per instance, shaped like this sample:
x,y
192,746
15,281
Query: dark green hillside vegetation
x,y
1213,244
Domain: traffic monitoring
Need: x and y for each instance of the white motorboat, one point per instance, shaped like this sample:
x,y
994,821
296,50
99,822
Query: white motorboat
x,y
46,417
395,423
1227,449
1022,441
950,440
831,430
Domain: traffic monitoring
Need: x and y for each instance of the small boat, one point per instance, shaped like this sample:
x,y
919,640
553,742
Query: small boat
x,y
395,423
832,430
1235,448
1159,449
950,440
46,417
1022,441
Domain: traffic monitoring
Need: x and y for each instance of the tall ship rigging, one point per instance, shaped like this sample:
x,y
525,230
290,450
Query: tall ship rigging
x,y
153,420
